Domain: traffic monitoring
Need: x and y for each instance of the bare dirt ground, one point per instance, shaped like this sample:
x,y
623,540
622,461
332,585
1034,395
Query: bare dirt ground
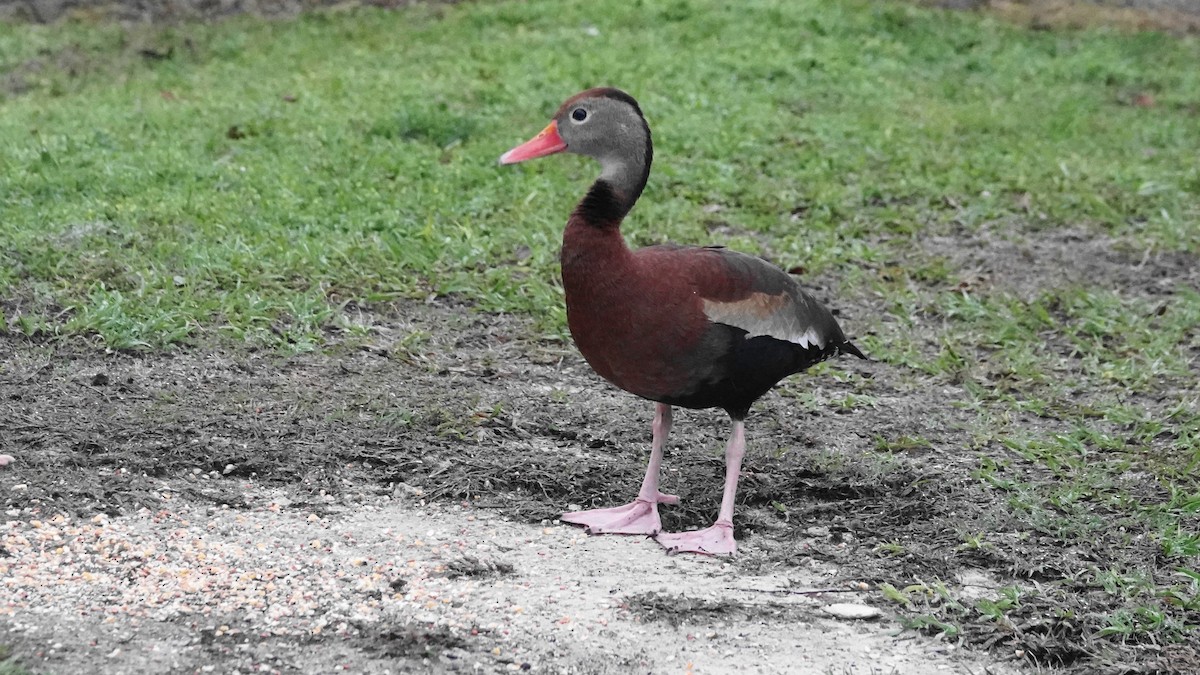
x,y
246,511
390,505
388,585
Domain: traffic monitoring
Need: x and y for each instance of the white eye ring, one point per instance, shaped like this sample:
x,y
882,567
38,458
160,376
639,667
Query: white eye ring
x,y
579,115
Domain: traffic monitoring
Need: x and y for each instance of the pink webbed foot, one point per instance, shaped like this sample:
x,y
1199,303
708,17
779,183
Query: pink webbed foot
x,y
6,459
638,517
714,540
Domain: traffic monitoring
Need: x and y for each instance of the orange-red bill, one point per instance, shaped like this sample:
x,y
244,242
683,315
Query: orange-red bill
x,y
547,142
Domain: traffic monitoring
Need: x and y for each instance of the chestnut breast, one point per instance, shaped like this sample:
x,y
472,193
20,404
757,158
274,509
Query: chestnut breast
x,y
637,317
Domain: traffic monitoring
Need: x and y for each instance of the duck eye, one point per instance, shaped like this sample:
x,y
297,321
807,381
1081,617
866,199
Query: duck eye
x,y
579,114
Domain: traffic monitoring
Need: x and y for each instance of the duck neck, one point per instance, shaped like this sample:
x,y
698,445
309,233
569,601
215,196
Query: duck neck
x,y
593,234
623,176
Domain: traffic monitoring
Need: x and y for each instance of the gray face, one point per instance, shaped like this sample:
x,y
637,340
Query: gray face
x,y
604,128
613,132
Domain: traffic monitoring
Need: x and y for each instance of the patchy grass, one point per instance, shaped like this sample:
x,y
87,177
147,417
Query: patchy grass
x,y
407,641
8,664
254,179
469,566
680,609
1167,17
1087,410
1011,217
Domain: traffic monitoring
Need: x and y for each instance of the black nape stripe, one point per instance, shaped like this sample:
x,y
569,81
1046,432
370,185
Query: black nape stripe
x,y
618,95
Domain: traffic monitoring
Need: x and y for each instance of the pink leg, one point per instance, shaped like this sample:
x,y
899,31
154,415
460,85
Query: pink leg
x,y
5,459
640,516
718,538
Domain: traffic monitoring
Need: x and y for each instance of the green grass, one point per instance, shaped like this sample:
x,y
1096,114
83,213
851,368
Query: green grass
x,y
268,176
8,665
268,173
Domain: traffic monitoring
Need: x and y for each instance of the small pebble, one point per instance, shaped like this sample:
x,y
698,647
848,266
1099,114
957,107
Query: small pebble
x,y
846,610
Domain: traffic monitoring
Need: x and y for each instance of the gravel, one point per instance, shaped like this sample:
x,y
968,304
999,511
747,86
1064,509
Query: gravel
x,y
393,585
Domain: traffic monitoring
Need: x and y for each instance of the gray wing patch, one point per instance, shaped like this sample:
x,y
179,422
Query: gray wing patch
x,y
787,317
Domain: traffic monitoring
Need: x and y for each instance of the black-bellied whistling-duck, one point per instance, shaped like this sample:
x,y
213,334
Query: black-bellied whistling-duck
x,y
679,325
